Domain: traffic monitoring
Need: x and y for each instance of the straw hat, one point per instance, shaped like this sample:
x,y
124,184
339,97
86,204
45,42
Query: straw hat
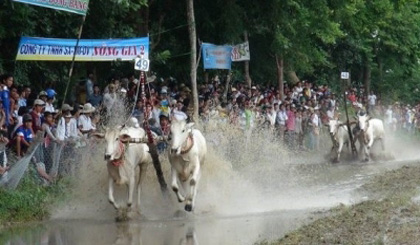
x,y
88,108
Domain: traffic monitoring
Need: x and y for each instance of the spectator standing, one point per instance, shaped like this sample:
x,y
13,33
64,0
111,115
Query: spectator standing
x,y
371,102
6,83
271,116
299,128
62,133
96,98
49,107
291,126
36,115
23,99
85,122
109,98
313,125
43,96
49,129
89,85
281,120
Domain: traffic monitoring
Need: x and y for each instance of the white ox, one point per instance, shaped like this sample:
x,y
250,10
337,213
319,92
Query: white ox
x,y
188,150
122,159
340,136
371,129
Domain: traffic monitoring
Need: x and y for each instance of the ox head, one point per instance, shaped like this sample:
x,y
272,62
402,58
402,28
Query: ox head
x,y
114,138
363,122
333,126
180,131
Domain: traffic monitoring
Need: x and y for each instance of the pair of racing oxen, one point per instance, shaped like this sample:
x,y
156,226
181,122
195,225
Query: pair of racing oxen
x,y
366,132
127,149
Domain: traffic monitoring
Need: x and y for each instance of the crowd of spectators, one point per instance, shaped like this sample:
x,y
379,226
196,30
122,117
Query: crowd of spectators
x,y
296,119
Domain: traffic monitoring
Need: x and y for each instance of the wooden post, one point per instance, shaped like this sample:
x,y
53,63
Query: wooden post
x,y
74,58
345,80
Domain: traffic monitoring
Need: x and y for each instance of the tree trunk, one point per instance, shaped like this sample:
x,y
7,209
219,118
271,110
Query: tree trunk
x,y
280,75
293,78
246,65
193,57
143,25
206,77
366,78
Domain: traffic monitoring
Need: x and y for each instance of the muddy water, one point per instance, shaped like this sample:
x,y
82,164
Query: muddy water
x,y
250,190
320,186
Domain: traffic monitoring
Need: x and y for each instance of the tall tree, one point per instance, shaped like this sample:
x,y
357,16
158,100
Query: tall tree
x,y
193,55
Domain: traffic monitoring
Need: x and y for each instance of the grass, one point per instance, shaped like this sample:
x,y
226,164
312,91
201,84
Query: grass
x,y
30,201
391,217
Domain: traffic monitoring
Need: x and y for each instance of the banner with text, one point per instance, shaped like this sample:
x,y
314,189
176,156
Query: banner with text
x,y
54,49
74,6
240,52
216,57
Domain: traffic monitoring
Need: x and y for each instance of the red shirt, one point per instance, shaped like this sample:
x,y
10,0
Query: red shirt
x,y
352,98
36,122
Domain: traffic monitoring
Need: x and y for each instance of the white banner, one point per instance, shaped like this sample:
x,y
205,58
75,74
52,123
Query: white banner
x,y
240,52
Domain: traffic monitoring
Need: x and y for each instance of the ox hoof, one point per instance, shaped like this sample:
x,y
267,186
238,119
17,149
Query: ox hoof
x,y
180,199
122,215
188,207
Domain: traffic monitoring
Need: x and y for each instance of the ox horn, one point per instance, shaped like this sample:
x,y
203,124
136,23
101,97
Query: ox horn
x,y
99,135
352,122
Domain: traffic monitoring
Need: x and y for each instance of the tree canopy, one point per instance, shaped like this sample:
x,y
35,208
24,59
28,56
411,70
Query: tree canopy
x,y
377,41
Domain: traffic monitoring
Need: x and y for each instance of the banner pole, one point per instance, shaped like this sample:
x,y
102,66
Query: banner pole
x,y
73,59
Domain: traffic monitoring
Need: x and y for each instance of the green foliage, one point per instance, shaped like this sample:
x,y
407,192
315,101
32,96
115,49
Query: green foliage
x,y
30,201
317,39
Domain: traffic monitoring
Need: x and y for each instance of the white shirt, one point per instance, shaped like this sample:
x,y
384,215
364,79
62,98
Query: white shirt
x,y
109,100
315,120
85,123
49,107
372,99
332,103
388,116
66,131
271,115
179,115
282,117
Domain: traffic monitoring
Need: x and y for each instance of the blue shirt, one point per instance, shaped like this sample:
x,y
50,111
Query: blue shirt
x,y
26,133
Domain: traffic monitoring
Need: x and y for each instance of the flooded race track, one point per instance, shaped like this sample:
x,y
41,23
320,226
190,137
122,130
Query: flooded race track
x,y
242,199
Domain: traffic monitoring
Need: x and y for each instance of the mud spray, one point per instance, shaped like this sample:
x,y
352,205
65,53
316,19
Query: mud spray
x,y
243,174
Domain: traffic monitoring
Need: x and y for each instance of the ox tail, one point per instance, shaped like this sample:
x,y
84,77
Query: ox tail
x,y
158,168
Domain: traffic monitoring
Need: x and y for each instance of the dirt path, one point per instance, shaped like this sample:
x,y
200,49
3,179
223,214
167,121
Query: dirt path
x,y
390,216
